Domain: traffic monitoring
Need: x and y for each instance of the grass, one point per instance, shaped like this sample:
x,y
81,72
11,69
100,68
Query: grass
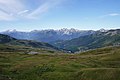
x,y
100,64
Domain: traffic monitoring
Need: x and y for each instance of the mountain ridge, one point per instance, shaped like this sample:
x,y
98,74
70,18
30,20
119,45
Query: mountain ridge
x,y
93,41
49,35
8,40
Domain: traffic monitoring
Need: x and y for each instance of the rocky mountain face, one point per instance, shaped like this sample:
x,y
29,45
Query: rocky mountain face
x,y
97,40
49,35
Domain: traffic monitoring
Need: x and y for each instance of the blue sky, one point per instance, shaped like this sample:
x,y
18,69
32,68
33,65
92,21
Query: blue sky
x,y
26,15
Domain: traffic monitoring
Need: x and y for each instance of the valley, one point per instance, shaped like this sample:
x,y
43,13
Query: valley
x,y
59,39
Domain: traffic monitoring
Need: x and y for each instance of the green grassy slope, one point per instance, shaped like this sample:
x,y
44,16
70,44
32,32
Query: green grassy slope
x,y
5,39
100,64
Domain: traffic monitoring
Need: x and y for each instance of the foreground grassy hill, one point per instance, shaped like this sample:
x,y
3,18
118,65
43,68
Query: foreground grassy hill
x,y
99,64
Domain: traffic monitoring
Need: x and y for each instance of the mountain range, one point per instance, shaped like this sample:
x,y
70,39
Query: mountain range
x,y
49,35
66,39
97,40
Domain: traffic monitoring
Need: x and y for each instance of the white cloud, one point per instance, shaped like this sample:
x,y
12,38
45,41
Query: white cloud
x,y
114,14
22,12
110,15
17,9
5,16
9,9
11,6
43,8
48,4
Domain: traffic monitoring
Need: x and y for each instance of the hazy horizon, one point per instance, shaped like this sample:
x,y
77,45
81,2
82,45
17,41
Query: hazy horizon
x,y
55,29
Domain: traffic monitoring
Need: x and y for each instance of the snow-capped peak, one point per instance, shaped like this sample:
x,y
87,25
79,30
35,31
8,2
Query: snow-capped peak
x,y
11,30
